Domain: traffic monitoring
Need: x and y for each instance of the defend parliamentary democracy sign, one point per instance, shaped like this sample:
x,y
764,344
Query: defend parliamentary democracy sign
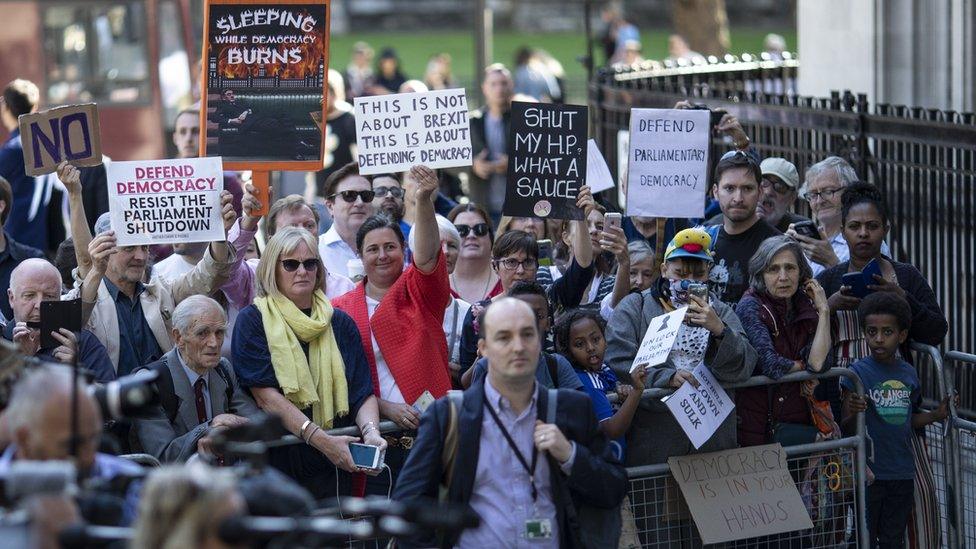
x,y
166,201
546,160
399,131
667,170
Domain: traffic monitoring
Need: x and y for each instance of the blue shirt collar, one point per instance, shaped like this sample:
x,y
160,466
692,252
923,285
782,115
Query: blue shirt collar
x,y
115,291
190,374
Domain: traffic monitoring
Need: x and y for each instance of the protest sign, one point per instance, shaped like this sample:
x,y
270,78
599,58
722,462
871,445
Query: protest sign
x,y
166,201
399,131
667,168
597,172
700,411
740,493
264,71
658,339
546,160
63,133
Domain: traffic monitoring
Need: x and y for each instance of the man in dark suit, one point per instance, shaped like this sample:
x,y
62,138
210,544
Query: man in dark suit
x,y
197,388
489,141
496,442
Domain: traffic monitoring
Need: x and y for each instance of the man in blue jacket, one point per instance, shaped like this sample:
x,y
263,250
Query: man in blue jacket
x,y
27,221
520,474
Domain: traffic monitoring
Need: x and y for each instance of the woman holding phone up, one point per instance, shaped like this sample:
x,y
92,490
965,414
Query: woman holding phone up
x,y
787,320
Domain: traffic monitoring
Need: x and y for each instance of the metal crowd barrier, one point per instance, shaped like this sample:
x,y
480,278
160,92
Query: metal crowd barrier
x,y
929,364
661,522
962,446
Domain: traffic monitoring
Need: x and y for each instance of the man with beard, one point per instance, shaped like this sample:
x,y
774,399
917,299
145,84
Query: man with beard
x,y
738,179
778,191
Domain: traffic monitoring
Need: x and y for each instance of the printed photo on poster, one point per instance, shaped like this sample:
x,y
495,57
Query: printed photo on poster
x,y
266,66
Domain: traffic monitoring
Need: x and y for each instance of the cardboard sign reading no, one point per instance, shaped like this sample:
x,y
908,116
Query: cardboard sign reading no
x,y
740,493
63,133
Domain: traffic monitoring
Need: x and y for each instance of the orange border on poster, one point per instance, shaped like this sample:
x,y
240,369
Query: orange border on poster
x,y
258,166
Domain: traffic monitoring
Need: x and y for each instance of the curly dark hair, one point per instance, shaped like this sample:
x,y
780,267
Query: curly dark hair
x,y
564,325
886,303
862,193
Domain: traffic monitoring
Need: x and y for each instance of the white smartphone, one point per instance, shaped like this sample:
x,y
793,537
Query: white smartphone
x,y
612,219
365,456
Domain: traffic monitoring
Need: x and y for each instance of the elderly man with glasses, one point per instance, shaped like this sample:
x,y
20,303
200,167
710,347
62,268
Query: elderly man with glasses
x,y
823,187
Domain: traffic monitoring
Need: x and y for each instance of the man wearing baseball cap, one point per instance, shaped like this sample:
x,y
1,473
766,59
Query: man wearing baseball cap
x,y
778,189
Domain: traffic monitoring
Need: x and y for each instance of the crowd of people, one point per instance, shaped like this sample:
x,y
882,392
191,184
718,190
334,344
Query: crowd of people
x,y
374,296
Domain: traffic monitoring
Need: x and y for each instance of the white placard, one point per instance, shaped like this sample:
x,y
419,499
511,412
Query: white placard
x,y
396,132
667,170
700,411
166,201
659,338
623,152
597,172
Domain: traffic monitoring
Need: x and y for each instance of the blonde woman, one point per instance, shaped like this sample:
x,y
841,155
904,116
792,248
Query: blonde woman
x,y
184,507
303,361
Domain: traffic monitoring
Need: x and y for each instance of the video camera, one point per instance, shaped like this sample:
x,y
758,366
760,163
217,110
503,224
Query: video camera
x,y
128,396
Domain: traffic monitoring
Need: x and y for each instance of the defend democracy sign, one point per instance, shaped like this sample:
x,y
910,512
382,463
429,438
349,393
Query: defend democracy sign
x,y
740,493
700,412
399,131
63,133
668,162
546,160
658,339
165,201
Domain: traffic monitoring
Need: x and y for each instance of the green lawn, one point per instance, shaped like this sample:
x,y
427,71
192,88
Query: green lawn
x,y
415,48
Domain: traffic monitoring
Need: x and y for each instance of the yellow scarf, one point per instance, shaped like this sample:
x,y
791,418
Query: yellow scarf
x,y
322,384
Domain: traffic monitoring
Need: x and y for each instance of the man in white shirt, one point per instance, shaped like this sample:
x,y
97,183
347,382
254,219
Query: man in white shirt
x,y
185,256
349,198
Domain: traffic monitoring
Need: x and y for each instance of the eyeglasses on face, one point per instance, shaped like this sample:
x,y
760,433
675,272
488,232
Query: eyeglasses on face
x,y
775,184
291,265
825,194
395,192
512,264
480,229
350,196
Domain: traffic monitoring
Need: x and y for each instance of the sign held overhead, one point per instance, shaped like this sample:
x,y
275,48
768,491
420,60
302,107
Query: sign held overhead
x,y
68,133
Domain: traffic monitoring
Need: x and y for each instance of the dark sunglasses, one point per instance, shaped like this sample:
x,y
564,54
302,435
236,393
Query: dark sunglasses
x,y
291,265
480,229
395,192
350,196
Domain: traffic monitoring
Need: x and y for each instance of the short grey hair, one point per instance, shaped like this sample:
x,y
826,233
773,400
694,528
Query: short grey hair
x,y
834,166
764,256
639,250
443,226
31,266
190,308
34,390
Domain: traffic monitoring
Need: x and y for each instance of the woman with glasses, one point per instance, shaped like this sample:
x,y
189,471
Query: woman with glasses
x,y
398,311
473,278
303,361
515,257
823,188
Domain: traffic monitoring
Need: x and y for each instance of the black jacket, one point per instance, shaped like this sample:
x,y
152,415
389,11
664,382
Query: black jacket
x,y
596,478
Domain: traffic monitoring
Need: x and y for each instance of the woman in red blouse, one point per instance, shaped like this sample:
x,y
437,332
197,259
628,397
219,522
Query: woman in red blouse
x,y
392,307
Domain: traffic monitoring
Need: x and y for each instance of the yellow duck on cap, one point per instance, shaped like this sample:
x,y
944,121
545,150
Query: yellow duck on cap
x,y
694,243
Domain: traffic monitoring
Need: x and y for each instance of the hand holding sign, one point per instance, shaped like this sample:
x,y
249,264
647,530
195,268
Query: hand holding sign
x,y
70,177
227,211
100,249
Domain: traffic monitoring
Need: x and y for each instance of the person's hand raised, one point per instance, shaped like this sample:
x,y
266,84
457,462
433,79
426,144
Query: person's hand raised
x,y
427,183
70,176
100,249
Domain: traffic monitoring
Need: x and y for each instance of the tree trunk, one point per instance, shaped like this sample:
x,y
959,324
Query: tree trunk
x,y
703,24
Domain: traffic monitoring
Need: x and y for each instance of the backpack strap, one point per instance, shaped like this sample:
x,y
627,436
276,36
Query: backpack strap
x,y
551,406
449,450
553,368
228,384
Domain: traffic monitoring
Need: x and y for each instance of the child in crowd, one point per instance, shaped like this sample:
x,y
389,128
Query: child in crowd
x,y
894,393
579,337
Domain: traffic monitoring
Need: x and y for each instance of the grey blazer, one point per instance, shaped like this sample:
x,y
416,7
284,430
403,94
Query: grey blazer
x,y
176,441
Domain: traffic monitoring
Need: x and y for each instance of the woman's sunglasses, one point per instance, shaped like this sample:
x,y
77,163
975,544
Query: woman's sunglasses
x,y
480,229
350,196
291,265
